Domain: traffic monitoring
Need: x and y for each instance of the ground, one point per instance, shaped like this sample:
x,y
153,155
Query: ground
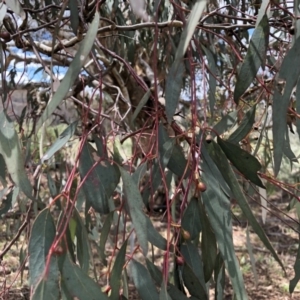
x,y
271,282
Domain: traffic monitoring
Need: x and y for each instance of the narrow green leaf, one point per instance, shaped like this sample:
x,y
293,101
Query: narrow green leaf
x,y
73,71
163,295
173,88
246,163
42,235
154,237
252,258
141,104
104,235
219,278
11,152
219,158
6,203
192,283
116,272
177,162
191,219
245,126
226,122
51,185
192,257
295,280
212,78
73,5
217,206
143,281
101,182
78,284
255,58
60,142
288,75
135,206
48,286
208,244
156,274
82,243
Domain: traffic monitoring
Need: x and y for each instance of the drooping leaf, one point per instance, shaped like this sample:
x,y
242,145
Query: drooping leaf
x,y
104,235
73,4
141,104
192,257
82,243
208,244
101,181
173,88
247,164
219,277
288,76
295,280
6,203
116,272
156,274
60,142
212,78
73,71
226,122
252,258
191,219
135,209
43,234
175,76
254,59
245,126
154,237
163,295
192,283
12,154
219,158
177,162
217,206
143,281
48,286
78,283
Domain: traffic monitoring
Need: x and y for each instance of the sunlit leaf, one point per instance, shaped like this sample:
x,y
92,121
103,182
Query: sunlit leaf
x,y
12,154
226,122
43,234
82,243
245,126
60,142
246,163
135,209
254,59
288,75
73,71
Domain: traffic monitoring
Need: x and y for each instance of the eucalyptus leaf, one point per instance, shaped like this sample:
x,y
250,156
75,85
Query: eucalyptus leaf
x,y
255,58
246,163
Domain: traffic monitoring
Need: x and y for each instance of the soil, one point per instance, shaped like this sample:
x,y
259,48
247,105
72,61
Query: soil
x,y
270,282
